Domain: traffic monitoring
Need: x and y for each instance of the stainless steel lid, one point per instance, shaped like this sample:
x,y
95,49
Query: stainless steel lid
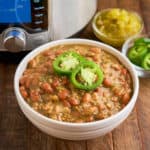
x,y
70,16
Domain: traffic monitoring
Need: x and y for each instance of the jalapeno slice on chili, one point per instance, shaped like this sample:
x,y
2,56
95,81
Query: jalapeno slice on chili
x,y
66,62
88,76
146,62
137,53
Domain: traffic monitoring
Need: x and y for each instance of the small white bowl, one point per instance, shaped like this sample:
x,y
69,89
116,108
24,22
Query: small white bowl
x,y
75,131
128,44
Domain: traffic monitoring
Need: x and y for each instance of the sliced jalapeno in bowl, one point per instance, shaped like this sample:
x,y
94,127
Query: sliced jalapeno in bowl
x,y
84,74
137,53
146,62
87,77
66,62
137,49
142,41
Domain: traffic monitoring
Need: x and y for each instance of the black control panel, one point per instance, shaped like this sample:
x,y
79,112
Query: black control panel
x,y
39,15
31,15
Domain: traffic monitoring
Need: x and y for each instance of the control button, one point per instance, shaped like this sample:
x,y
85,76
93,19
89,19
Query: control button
x,y
14,40
38,15
39,8
38,22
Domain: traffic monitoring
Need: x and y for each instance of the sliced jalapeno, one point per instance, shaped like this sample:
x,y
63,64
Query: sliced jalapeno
x,y
137,53
146,62
88,76
142,41
66,62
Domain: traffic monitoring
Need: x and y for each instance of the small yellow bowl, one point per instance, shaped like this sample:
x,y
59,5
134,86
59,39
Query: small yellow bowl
x,y
116,42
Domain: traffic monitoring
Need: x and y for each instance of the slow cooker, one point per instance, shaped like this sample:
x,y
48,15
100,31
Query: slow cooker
x,y
26,24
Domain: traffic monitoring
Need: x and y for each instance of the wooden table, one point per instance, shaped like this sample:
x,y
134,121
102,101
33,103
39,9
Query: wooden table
x,y
17,133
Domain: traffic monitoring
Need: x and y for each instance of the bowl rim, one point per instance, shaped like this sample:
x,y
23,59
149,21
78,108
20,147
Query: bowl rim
x,y
42,48
94,26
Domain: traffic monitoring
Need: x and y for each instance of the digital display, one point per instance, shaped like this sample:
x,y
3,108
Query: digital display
x,y
15,11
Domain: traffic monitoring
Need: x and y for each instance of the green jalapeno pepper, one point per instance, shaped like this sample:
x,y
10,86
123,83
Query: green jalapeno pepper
x,y
137,53
146,62
66,62
88,76
142,41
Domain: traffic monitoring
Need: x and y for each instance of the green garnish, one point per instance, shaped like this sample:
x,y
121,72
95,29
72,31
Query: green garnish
x,y
87,77
84,74
66,62
146,62
139,52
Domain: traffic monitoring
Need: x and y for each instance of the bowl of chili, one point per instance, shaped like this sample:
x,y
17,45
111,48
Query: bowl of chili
x,y
80,67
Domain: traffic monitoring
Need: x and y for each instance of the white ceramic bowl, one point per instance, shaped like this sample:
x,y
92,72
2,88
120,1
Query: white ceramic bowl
x,y
75,131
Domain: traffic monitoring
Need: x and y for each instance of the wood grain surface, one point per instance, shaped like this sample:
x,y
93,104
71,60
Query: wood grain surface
x,y
17,133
